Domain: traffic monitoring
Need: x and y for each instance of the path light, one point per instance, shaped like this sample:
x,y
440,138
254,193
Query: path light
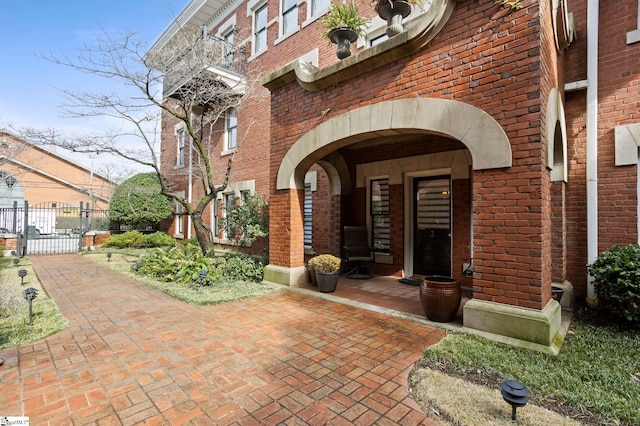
x,y
109,257
202,276
30,294
516,395
16,260
22,273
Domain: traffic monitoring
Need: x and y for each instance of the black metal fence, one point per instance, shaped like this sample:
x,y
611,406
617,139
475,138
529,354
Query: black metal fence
x,y
50,228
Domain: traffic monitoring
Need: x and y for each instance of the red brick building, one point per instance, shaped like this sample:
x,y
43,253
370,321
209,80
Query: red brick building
x,y
42,176
505,138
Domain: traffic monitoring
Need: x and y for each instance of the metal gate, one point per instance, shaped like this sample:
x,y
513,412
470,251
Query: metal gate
x,y
51,228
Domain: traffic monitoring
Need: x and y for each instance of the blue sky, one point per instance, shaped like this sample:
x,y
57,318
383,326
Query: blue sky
x,y
29,85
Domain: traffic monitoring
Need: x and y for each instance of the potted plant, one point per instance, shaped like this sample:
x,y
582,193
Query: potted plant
x,y
343,25
394,11
326,267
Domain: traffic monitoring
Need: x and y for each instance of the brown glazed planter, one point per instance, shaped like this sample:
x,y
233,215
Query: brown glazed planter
x,y
440,297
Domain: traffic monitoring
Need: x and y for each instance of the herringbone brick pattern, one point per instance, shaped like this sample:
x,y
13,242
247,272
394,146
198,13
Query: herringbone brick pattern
x,y
135,356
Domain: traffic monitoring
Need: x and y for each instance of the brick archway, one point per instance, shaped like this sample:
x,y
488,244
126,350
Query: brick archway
x,y
479,132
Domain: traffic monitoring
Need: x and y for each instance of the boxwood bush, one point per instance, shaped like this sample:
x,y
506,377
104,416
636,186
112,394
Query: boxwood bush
x,y
135,239
617,282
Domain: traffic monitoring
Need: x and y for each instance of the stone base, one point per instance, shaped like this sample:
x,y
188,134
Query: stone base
x,y
529,328
294,277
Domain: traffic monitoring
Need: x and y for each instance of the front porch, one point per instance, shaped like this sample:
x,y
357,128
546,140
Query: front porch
x,y
383,293
386,294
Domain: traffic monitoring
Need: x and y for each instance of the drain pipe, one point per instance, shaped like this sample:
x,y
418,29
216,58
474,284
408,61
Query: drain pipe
x,y
592,138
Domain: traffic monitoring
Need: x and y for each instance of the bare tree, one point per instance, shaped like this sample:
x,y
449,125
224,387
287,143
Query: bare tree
x,y
193,78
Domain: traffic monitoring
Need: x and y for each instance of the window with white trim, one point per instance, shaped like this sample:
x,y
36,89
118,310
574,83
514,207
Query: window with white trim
x,y
380,217
260,29
229,203
318,6
288,16
379,39
179,219
231,129
181,136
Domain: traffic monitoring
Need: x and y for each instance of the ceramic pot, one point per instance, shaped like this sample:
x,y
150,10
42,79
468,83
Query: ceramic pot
x,y
343,37
327,283
440,297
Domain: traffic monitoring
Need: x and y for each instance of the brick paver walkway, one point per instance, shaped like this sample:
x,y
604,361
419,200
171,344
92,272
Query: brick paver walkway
x,y
133,355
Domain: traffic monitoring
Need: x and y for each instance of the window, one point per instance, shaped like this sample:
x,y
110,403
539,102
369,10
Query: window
x,y
179,219
289,16
318,6
228,49
231,129
181,134
379,206
379,39
260,29
229,201
308,215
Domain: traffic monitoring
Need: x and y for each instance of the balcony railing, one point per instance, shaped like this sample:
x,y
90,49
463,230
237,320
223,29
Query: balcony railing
x,y
208,59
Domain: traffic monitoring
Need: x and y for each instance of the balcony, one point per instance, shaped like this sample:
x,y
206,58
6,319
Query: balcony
x,y
210,65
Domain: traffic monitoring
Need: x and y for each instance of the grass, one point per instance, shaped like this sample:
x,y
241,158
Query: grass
x,y
14,318
597,372
123,259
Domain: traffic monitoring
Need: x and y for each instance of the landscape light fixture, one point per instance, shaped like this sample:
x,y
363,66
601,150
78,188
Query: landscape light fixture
x,y
202,275
16,260
22,273
30,294
515,394
109,257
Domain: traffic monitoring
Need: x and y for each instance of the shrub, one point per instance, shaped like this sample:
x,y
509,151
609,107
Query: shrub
x,y
325,263
135,239
128,239
159,239
242,267
617,281
181,263
11,299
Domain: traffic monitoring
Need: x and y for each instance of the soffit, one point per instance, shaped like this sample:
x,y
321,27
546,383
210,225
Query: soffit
x,y
192,18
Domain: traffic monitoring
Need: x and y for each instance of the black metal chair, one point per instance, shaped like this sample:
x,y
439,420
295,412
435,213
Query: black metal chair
x,y
356,247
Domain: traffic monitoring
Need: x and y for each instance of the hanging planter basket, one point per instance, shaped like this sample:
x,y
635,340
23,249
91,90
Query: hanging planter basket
x,y
393,11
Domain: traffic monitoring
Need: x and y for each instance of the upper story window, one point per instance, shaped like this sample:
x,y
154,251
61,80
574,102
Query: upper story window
x,y
319,6
181,135
231,129
228,48
289,16
378,39
260,29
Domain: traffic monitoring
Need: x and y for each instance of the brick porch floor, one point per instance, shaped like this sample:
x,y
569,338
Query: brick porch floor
x,y
132,355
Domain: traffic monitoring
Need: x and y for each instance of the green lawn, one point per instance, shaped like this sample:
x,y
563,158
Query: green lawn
x,y
597,370
14,313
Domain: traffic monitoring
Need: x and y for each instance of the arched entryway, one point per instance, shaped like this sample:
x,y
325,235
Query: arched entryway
x,y
476,140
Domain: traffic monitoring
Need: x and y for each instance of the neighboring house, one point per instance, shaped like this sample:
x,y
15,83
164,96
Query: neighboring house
x,y
502,138
48,182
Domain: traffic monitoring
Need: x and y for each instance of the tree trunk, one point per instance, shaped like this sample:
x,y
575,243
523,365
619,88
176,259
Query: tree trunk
x,y
203,234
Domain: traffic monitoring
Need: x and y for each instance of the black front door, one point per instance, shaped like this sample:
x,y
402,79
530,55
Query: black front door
x,y
432,226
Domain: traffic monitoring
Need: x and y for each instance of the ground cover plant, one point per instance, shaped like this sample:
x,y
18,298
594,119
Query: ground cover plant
x,y
595,378
14,309
176,271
